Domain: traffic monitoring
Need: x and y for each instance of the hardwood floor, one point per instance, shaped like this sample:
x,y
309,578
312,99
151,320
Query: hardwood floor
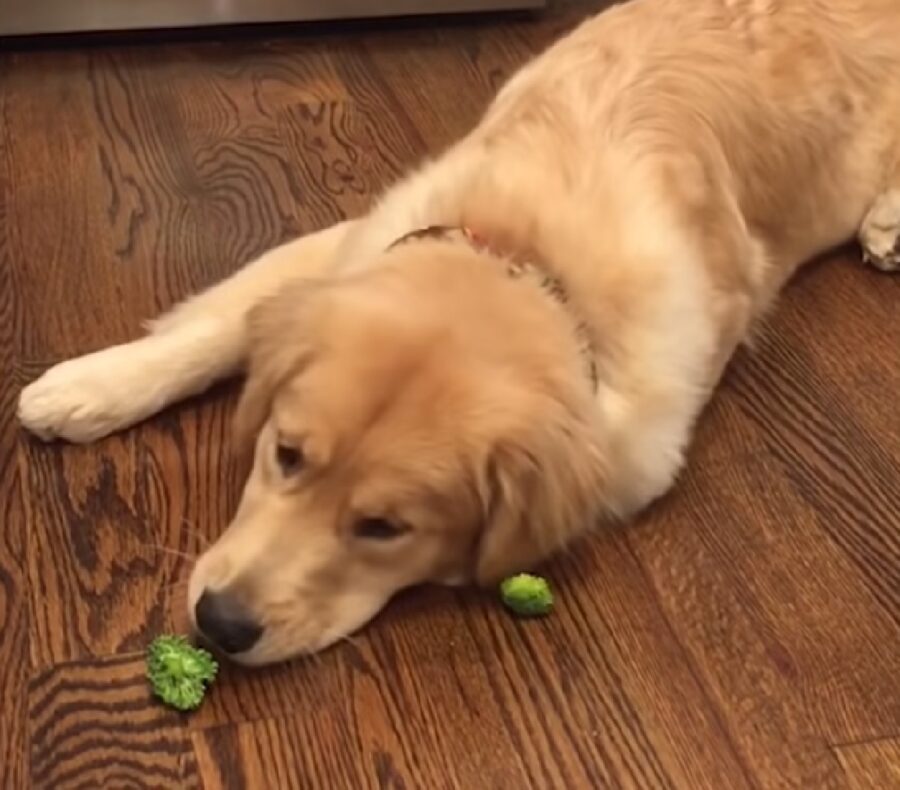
x,y
745,633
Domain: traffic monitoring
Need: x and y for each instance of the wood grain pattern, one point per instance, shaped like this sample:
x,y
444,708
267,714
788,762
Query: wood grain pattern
x,y
13,541
408,69
93,725
448,675
744,633
875,764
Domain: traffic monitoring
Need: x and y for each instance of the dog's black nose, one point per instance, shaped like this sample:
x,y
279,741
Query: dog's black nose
x,y
227,624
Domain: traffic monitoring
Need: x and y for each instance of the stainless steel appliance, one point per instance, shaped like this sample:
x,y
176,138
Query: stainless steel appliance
x,y
23,17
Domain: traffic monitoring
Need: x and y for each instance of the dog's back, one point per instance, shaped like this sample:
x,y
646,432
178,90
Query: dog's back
x,y
789,108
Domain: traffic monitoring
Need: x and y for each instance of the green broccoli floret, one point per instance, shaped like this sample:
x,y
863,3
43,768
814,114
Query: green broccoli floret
x,y
179,672
527,595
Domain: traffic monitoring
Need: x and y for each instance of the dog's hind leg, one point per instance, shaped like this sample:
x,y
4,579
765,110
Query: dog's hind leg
x,y
198,343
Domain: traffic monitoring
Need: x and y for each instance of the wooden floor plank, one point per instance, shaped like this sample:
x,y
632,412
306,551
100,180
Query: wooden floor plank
x,y
435,722
78,252
410,67
343,154
446,678
656,671
14,625
741,664
93,724
276,753
793,646
870,765
825,422
114,528
846,309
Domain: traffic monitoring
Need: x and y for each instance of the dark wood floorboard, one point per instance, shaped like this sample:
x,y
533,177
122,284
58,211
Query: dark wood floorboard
x,y
14,623
93,724
743,634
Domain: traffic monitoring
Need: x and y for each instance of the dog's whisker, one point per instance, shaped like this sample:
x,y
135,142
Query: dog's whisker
x,y
350,640
185,522
313,655
166,550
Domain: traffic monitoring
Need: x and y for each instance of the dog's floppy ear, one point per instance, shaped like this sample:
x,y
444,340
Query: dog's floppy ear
x,y
545,487
279,345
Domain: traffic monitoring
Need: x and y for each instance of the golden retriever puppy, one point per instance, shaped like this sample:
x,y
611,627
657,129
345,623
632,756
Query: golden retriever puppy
x,y
515,343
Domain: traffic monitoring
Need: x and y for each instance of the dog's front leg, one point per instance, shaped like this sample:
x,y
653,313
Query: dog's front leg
x,y
880,231
198,343
879,234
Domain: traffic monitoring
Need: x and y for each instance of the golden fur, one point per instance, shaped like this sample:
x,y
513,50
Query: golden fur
x,y
671,162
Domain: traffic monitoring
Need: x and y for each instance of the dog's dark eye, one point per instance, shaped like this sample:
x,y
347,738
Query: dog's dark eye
x,y
290,459
377,529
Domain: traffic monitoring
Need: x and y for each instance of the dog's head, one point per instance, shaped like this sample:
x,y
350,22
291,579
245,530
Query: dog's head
x,y
427,421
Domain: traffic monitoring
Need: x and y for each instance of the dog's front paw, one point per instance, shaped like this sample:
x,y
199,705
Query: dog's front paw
x,y
80,400
880,233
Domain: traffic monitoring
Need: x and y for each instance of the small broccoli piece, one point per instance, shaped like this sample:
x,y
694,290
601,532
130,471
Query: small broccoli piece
x,y
527,595
179,672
